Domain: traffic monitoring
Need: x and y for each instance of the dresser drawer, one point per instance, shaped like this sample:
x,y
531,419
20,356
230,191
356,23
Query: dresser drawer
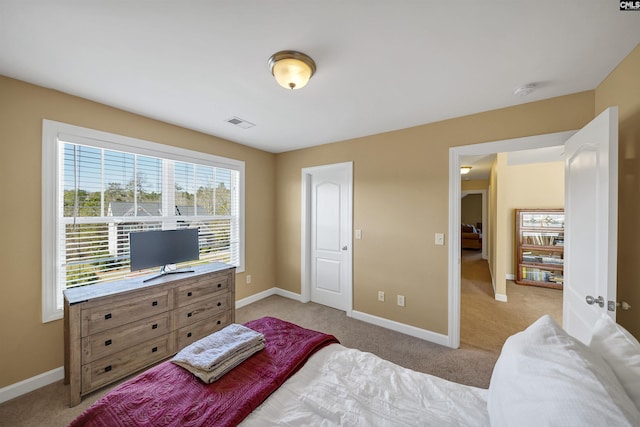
x,y
201,310
204,287
108,369
117,339
194,332
101,318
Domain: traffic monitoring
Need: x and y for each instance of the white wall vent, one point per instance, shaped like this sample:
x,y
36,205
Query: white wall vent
x,y
237,121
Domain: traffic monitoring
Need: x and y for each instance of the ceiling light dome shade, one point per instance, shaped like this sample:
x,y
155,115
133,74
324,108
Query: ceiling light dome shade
x,y
292,69
465,170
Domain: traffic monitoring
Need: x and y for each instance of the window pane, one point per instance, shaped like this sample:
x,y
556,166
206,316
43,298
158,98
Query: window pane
x,y
119,172
149,185
215,240
185,189
223,191
82,181
205,196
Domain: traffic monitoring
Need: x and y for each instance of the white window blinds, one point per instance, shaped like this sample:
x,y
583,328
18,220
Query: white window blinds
x,y
106,190
108,194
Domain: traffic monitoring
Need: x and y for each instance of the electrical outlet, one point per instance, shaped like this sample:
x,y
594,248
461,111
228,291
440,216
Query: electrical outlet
x,y
401,300
248,279
380,296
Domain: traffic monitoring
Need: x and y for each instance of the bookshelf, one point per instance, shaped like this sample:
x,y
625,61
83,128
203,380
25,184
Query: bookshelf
x,y
540,247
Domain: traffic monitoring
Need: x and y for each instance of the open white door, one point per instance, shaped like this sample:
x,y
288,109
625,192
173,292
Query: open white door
x,y
591,223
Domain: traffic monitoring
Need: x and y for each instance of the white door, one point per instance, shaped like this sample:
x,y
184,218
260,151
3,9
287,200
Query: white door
x,y
591,213
330,240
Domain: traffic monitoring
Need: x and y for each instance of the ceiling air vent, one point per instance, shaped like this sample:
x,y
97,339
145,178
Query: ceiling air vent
x,y
237,121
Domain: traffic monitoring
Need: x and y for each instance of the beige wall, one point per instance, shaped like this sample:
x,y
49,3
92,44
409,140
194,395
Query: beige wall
x,y
471,205
622,88
471,209
30,347
401,193
474,184
539,185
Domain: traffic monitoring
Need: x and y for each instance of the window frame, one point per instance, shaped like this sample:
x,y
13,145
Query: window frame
x,y
52,165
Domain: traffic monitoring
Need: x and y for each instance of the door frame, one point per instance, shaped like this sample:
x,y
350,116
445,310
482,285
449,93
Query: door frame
x,y
455,191
305,244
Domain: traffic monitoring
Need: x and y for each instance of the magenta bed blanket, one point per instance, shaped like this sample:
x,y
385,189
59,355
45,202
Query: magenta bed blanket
x,y
168,395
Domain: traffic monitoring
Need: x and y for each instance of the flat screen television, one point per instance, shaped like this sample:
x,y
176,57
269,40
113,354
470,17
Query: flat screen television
x,y
163,248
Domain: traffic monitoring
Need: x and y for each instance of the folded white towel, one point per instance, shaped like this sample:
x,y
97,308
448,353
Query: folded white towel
x,y
211,351
224,367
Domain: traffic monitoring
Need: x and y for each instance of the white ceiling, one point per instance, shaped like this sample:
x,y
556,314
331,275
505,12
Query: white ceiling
x,y
382,65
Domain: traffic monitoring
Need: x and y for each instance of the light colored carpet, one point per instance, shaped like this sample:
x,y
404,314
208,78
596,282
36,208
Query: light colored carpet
x,y
485,324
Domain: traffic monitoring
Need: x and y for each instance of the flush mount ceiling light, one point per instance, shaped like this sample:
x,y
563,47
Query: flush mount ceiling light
x,y
291,69
524,90
465,170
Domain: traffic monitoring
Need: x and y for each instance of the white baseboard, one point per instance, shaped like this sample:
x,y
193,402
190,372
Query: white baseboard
x,y
30,384
402,328
369,318
510,277
501,297
289,294
255,297
264,294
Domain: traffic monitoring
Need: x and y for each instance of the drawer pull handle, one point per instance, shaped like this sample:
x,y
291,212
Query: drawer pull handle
x,y
107,316
154,349
219,304
189,314
219,322
189,335
154,303
219,285
154,326
107,342
107,369
189,294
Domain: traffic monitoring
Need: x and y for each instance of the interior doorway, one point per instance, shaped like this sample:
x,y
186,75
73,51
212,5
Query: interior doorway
x,y
474,215
455,162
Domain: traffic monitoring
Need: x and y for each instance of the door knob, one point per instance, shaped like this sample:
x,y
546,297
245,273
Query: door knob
x,y
344,248
591,300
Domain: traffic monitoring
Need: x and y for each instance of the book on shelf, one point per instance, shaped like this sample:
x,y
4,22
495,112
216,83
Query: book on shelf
x,y
538,275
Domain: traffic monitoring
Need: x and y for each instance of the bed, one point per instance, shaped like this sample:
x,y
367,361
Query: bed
x,y
306,378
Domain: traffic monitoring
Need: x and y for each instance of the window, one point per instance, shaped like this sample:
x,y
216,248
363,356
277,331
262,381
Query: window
x,y
99,187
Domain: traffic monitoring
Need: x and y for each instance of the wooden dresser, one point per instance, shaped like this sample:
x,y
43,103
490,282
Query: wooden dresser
x,y
114,329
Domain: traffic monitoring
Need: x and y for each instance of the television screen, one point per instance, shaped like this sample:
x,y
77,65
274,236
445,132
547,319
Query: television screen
x,y
163,247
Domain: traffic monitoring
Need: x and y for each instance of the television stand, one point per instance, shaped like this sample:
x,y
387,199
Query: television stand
x,y
169,269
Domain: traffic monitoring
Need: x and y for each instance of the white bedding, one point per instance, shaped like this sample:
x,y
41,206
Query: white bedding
x,y
345,387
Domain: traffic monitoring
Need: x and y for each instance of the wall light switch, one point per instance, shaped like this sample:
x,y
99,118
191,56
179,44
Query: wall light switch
x,y
358,234
380,296
401,300
440,239
248,279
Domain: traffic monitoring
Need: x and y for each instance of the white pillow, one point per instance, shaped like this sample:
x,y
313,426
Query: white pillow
x,y
621,351
545,377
